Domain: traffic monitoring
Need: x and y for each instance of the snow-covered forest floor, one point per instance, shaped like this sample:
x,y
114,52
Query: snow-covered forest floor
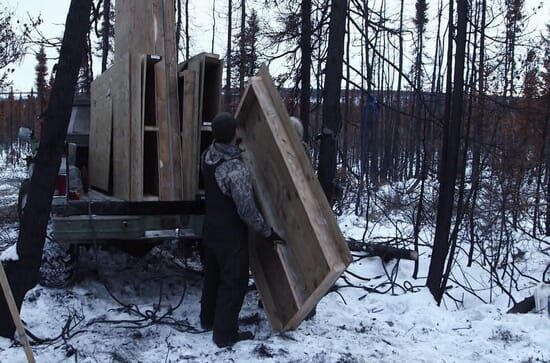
x,y
351,325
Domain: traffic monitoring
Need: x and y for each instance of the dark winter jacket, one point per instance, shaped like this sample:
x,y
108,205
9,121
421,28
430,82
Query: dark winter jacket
x,y
234,180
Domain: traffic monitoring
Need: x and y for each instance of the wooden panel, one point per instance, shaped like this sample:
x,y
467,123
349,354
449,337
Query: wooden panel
x,y
189,136
136,29
171,66
120,90
208,70
293,278
166,170
99,163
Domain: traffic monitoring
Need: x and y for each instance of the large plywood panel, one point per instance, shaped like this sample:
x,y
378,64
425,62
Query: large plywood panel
x,y
189,136
101,132
120,90
291,278
171,83
147,27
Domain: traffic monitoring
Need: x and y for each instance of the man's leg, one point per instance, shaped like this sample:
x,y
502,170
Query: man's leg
x,y
232,289
210,288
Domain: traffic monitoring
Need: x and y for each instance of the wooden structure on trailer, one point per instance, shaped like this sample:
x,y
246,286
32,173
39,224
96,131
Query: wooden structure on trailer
x,y
200,80
292,278
135,145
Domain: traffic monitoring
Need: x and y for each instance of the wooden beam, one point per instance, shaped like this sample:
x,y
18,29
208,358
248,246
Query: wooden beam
x,y
118,208
189,136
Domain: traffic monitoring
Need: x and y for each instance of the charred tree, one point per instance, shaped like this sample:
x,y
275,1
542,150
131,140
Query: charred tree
x,y
24,273
105,34
331,96
305,72
449,166
242,47
228,61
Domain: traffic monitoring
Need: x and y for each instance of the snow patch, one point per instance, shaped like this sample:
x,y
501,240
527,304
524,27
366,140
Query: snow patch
x,y
10,254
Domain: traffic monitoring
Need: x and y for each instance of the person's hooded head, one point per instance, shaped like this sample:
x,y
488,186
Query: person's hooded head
x,y
298,127
224,128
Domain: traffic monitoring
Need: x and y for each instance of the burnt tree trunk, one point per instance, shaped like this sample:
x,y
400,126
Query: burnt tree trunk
x,y
449,166
23,274
178,5
105,35
331,96
547,156
228,61
242,48
305,72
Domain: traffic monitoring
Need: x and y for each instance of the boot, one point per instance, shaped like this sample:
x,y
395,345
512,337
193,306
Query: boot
x,y
244,335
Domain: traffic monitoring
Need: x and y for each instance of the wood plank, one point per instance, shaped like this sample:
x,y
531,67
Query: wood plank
x,y
122,208
171,68
136,75
12,306
99,163
120,90
166,170
189,137
296,276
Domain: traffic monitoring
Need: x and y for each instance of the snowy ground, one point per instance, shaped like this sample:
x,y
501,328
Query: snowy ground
x,y
352,325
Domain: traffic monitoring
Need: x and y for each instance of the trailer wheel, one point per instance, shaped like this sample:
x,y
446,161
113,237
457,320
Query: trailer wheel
x,y
58,264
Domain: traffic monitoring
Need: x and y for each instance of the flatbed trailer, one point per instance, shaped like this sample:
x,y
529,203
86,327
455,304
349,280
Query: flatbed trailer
x,y
101,218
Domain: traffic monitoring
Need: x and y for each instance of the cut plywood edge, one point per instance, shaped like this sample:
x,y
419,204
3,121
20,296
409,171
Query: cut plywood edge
x,y
296,276
101,132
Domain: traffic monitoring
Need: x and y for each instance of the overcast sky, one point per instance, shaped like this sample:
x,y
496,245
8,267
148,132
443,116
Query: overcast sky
x,y
54,13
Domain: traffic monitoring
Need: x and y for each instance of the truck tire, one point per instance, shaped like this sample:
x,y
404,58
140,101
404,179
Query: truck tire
x,y
22,198
58,265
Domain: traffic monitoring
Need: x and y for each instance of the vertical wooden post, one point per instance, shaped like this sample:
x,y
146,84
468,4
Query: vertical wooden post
x,y
15,314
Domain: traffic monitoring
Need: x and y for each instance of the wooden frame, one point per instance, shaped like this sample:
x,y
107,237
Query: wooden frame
x,y
293,278
200,81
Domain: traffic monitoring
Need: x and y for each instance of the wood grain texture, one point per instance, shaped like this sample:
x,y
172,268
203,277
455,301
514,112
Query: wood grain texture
x,y
99,163
120,91
292,278
171,77
147,27
189,137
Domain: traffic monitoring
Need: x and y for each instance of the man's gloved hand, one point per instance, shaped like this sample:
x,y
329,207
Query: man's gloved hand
x,y
275,239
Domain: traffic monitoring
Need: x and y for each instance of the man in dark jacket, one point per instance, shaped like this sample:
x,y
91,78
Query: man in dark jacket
x,y
230,210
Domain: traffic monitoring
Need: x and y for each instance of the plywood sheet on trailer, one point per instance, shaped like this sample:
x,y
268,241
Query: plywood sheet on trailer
x,y
291,278
99,163
147,27
120,90
189,135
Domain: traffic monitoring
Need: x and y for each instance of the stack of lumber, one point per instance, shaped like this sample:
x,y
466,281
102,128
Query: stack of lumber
x,y
291,278
135,136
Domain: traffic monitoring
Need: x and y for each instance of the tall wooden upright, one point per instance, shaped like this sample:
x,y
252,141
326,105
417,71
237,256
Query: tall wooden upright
x,y
145,32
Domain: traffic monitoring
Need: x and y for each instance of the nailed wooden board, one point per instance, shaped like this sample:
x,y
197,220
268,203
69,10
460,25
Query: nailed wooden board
x,y
99,162
120,91
171,84
189,136
292,278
